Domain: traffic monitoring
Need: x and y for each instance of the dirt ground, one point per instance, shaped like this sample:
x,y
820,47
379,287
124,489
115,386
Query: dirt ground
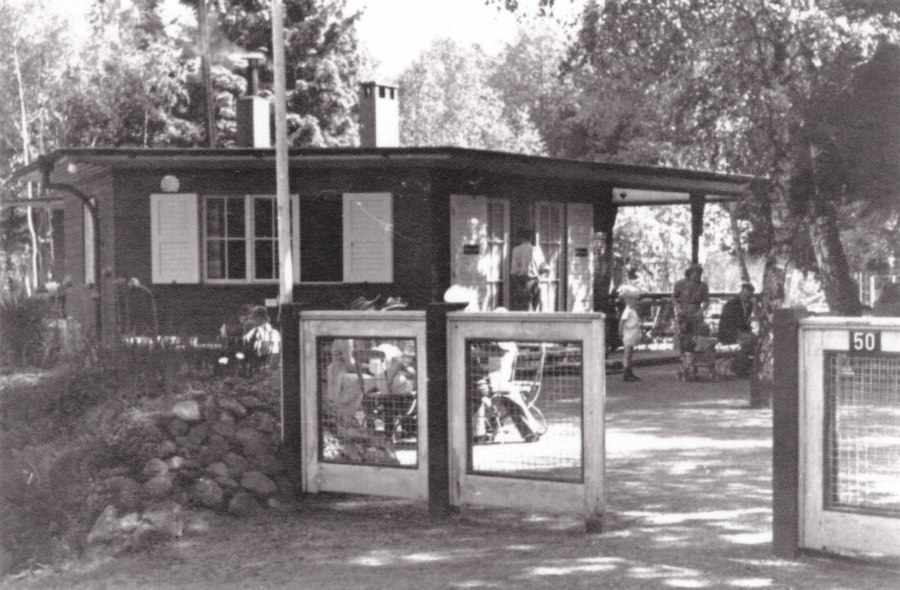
x,y
689,498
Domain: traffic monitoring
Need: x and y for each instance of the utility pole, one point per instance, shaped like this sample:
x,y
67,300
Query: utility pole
x,y
282,185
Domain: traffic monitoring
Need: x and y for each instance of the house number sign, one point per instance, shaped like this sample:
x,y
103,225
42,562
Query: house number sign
x,y
865,341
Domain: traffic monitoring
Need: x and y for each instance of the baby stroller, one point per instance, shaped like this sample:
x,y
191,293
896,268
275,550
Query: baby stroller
x,y
389,400
703,357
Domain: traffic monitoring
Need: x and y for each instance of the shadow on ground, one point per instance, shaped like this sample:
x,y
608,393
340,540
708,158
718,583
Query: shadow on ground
x,y
689,496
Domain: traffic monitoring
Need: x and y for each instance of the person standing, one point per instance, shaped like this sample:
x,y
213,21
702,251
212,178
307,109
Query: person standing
x,y
690,298
629,329
526,268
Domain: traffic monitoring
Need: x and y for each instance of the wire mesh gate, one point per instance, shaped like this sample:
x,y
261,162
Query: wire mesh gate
x,y
526,396
850,435
363,403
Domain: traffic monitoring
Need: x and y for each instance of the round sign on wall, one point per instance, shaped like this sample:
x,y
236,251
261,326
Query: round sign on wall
x,y
169,183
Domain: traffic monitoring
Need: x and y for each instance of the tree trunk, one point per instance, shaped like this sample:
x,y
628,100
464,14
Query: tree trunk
x,y
738,247
841,291
825,188
761,382
33,282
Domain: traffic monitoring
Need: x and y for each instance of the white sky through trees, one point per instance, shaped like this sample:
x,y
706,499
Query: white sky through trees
x,y
397,31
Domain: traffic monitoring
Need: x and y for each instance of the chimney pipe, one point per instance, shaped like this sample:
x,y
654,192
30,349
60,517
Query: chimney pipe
x,y
254,60
253,120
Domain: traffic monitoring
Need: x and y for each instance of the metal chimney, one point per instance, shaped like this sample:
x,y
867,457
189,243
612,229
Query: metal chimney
x,y
253,127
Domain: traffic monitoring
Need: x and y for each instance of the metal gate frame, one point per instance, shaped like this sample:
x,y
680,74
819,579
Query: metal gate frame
x,y
821,528
351,478
586,497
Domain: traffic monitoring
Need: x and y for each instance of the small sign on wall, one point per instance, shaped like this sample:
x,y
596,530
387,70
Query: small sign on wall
x,y
471,249
865,341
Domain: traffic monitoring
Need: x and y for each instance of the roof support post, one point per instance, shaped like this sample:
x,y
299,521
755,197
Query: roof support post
x,y
698,203
604,222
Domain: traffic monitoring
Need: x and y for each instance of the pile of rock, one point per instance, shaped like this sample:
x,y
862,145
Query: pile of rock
x,y
217,451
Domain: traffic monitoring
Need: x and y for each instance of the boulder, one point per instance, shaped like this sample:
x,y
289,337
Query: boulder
x,y
159,486
167,520
266,462
175,463
154,467
106,528
178,428
249,439
218,470
258,483
126,493
166,448
197,435
129,523
224,428
207,493
189,411
233,407
237,464
251,402
243,504
263,422
142,537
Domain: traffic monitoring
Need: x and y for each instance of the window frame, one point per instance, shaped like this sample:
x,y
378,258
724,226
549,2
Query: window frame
x,y
249,239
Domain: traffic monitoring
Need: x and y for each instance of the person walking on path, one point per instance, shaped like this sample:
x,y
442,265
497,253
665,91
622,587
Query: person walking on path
x,y
526,268
629,329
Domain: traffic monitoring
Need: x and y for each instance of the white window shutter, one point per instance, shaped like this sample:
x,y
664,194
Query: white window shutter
x,y
470,262
174,238
581,257
368,238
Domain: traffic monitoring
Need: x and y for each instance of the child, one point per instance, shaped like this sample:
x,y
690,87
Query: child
x,y
629,328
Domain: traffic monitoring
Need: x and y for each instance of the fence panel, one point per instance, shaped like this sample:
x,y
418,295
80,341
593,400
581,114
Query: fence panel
x,y
526,398
364,402
850,435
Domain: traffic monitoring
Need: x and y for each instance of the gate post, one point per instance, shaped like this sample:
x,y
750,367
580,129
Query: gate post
x,y
290,394
438,409
786,433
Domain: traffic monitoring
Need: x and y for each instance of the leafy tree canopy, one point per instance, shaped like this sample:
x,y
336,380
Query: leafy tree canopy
x,y
447,100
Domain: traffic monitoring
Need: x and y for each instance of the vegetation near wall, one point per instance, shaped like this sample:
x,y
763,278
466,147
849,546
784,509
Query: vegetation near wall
x,y
111,458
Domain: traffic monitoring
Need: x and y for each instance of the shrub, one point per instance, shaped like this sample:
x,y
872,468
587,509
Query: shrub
x,y
22,318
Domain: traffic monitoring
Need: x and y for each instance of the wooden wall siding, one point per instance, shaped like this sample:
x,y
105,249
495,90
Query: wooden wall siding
x,y
421,236
80,299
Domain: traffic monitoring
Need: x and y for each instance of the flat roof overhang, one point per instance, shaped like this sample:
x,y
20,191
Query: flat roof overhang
x,y
68,165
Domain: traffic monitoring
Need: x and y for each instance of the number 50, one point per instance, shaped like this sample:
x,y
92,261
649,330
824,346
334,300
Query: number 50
x,y
865,341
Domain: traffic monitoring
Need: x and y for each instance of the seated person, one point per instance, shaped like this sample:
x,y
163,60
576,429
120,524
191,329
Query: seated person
x,y
888,304
260,334
343,394
500,397
735,328
390,391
